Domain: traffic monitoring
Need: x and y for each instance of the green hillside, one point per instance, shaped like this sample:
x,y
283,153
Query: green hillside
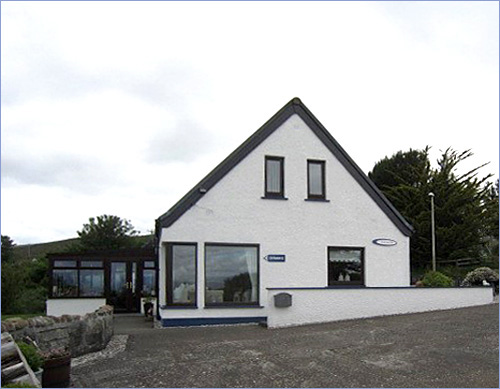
x,y
36,250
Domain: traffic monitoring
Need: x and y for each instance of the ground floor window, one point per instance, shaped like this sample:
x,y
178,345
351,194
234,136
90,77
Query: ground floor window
x,y
345,266
149,279
71,278
181,274
65,283
231,274
91,282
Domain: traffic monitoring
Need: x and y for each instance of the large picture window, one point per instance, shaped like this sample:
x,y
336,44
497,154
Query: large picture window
x,y
231,274
181,274
345,266
274,177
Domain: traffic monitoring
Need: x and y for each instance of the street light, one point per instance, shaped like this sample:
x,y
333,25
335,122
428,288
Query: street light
x,y
433,233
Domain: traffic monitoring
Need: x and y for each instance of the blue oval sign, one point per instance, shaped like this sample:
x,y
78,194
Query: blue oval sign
x,y
384,242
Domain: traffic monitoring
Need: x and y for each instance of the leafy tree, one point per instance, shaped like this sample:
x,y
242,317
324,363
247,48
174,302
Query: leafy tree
x,y
106,233
13,284
460,203
490,230
403,168
7,248
24,281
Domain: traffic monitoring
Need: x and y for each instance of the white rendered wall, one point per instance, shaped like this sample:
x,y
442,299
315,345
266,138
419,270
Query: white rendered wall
x,y
234,212
59,307
325,305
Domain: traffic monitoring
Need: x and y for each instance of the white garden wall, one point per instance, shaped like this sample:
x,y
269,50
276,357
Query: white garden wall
x,y
78,306
325,305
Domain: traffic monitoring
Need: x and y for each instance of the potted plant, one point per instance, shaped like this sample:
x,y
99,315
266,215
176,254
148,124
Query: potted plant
x,y
148,306
56,368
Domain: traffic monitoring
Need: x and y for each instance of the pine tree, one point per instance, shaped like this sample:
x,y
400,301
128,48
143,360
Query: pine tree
x,y
461,203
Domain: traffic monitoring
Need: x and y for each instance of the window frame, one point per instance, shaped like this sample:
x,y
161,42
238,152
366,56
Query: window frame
x,y
168,276
281,193
334,284
321,196
76,268
230,304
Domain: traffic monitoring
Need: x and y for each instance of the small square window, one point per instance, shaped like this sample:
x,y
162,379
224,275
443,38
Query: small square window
x,y
345,266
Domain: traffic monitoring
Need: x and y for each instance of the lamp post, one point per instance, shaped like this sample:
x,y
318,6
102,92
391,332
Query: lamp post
x,y
433,232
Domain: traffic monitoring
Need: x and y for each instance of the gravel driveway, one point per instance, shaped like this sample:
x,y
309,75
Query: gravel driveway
x,y
454,348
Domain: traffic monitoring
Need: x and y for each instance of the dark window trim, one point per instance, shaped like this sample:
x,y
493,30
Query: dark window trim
x,y
346,283
229,305
238,304
76,268
322,196
168,275
274,198
281,193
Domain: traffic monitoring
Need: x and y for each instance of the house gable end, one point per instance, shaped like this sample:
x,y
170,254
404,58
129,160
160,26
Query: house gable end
x,y
295,106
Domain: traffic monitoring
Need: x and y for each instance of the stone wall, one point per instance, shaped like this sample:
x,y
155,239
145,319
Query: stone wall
x,y
80,334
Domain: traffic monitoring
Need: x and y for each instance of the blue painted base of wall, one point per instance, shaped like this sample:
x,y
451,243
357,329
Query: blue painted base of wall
x,y
203,321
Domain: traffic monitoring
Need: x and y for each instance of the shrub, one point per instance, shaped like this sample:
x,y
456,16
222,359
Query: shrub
x,y
477,276
437,280
32,355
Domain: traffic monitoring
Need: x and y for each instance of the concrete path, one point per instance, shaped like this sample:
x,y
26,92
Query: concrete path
x,y
455,348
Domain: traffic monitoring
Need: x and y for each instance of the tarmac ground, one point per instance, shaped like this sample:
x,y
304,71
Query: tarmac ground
x,y
453,349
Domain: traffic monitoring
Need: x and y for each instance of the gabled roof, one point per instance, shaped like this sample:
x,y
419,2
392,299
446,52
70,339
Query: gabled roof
x,y
295,106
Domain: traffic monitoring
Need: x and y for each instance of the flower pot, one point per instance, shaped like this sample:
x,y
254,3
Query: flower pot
x,y
147,307
57,372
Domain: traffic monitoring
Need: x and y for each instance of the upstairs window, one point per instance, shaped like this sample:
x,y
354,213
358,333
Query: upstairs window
x,y
274,177
316,180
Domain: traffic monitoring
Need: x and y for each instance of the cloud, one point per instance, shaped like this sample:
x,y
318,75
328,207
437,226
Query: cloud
x,y
121,107
186,141
73,172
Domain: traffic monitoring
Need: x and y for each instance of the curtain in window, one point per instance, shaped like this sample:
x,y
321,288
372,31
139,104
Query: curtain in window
x,y
273,176
347,255
315,179
250,256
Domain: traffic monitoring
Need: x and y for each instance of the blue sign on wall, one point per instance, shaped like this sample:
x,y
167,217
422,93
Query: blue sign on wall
x,y
275,258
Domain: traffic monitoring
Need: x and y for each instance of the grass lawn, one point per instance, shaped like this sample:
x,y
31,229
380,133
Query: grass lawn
x,y
22,315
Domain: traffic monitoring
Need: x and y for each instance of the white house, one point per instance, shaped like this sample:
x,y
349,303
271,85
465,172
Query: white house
x,y
286,230
287,209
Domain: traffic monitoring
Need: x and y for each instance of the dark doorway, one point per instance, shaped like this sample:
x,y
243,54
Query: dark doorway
x,y
123,286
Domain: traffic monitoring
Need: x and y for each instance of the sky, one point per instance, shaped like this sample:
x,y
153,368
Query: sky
x,y
121,107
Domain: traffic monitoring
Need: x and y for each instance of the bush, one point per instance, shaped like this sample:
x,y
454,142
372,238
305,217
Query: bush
x,y
436,279
32,355
477,276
